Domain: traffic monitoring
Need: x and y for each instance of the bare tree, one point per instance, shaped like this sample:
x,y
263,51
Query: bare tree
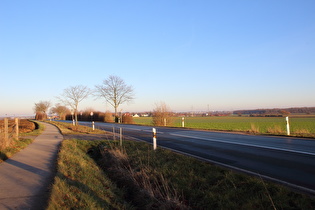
x,y
162,115
40,109
60,110
115,91
72,96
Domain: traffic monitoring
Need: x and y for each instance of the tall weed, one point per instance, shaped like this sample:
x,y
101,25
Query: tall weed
x,y
146,187
254,129
276,129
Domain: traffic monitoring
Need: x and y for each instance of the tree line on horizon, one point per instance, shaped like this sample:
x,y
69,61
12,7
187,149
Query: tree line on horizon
x,y
276,111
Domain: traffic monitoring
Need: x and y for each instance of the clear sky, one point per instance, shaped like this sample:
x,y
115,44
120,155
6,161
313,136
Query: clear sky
x,y
190,54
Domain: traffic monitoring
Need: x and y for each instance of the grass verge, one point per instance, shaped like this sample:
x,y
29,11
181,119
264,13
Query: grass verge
x,y
80,183
68,128
19,144
136,177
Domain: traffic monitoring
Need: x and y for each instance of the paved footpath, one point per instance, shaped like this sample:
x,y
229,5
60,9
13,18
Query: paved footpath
x,y
26,177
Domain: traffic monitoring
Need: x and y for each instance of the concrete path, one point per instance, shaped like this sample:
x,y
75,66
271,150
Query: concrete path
x,y
26,177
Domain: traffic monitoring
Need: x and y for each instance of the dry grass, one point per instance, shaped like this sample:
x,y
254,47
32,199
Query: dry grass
x,y
254,129
147,188
276,129
27,128
302,132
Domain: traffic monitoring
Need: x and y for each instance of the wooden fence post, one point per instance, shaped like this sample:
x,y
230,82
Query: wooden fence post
x,y
6,132
17,128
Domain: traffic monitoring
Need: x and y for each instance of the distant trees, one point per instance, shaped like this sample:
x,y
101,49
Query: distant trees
x,y
115,91
284,112
40,110
72,96
162,115
60,110
276,111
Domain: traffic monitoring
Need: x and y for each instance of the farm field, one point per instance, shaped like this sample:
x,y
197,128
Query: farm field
x,y
299,126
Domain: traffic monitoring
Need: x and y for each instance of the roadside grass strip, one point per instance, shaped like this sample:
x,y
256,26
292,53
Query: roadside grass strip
x,y
68,128
103,175
80,183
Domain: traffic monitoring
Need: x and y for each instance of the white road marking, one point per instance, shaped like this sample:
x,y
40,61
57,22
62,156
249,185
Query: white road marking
x,y
243,144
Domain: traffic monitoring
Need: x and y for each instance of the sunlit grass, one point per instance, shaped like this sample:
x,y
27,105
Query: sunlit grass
x,y
68,128
80,183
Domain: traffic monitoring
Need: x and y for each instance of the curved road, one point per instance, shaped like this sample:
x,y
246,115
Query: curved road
x,y
288,160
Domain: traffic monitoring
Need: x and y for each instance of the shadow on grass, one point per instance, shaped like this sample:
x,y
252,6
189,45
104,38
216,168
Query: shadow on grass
x,y
83,188
139,189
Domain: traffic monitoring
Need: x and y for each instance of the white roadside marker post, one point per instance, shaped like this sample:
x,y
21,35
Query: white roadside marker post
x,y
92,120
288,126
120,136
154,138
183,122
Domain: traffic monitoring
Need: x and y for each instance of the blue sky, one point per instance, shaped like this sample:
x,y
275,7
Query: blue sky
x,y
189,54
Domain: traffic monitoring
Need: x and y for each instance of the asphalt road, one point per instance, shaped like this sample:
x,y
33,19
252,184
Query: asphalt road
x,y
288,160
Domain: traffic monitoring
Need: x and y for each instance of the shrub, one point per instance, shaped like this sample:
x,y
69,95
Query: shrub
x,y
162,115
108,117
127,119
41,116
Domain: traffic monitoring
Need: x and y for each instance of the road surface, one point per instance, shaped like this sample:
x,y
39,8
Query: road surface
x,y
288,160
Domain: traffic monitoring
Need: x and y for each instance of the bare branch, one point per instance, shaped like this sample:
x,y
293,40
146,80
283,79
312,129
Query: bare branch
x,y
73,95
115,91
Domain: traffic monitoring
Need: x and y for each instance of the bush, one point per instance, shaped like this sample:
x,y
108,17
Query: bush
x,y
162,116
127,119
40,116
108,117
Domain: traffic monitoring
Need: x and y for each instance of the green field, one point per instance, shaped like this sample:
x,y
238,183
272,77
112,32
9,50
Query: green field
x,y
299,126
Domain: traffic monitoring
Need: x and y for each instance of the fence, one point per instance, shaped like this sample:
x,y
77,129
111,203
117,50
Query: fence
x,y
8,132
